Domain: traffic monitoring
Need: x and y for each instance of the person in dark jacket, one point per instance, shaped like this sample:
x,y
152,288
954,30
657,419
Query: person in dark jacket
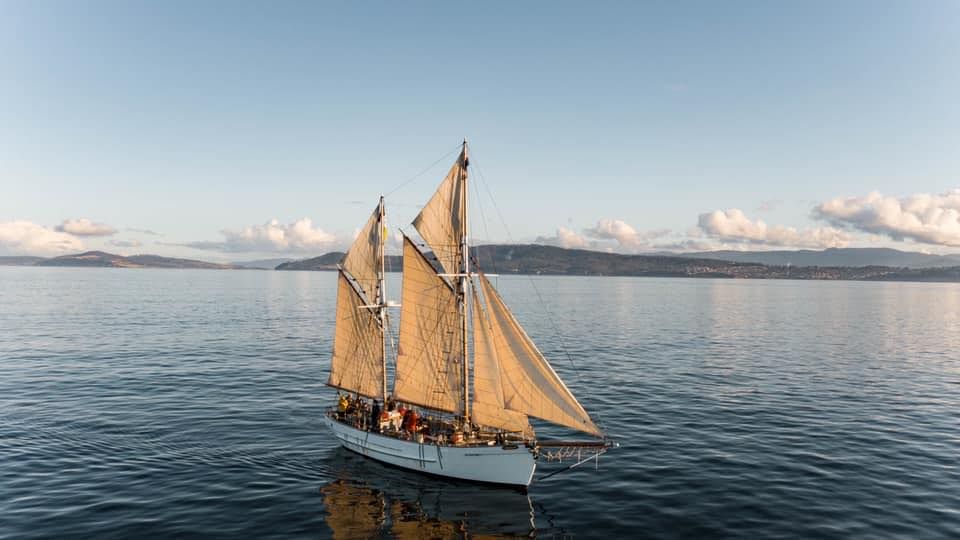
x,y
375,417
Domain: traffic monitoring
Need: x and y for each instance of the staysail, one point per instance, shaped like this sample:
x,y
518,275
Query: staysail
x,y
530,386
430,351
488,405
441,221
357,363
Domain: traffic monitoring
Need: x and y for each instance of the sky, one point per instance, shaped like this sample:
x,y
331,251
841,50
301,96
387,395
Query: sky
x,y
242,130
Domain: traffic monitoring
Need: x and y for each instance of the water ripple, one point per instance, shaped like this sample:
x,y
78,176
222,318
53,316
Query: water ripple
x,y
186,403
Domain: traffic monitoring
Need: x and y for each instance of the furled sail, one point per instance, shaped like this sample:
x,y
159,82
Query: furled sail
x,y
441,222
530,385
357,363
488,407
362,260
430,351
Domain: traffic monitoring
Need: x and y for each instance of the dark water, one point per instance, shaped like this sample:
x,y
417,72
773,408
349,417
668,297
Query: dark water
x,y
162,403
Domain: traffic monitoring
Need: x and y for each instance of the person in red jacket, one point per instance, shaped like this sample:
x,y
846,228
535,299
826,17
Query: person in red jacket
x,y
410,420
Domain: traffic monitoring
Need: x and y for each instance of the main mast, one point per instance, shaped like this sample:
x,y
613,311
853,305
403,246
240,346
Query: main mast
x,y
464,273
382,300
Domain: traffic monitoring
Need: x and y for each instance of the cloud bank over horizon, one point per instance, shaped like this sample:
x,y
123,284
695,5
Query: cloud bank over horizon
x,y
734,226
720,229
272,237
21,237
922,217
919,220
607,234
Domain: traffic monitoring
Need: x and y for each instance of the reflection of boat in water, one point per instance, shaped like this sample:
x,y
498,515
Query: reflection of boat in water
x,y
369,500
466,368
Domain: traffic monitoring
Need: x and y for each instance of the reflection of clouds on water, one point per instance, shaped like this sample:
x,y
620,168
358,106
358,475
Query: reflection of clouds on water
x,y
367,499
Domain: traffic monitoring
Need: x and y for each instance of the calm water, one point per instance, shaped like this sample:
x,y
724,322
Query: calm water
x,y
181,402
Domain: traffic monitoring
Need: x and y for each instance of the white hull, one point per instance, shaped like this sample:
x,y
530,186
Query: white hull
x,y
492,464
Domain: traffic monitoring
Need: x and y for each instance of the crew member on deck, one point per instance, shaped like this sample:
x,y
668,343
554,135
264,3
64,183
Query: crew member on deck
x,y
341,405
375,417
410,420
351,406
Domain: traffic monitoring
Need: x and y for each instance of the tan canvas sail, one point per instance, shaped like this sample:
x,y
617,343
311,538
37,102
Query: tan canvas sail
x,y
529,383
488,408
441,221
430,353
357,363
362,260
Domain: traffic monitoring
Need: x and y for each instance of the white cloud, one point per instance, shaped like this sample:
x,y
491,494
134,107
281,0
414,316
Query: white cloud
x,y
734,226
273,236
626,236
564,238
607,235
27,238
931,219
85,227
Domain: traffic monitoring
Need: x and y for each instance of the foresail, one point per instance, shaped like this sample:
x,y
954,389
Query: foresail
x,y
362,260
441,221
530,385
357,363
430,349
488,408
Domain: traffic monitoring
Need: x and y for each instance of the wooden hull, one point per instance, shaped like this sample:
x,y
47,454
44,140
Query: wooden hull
x,y
512,466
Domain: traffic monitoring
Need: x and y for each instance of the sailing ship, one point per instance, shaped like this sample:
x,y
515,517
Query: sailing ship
x,y
463,360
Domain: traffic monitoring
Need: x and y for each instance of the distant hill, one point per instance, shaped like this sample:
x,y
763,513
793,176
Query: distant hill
x,y
265,264
833,257
19,260
549,260
540,259
110,260
329,261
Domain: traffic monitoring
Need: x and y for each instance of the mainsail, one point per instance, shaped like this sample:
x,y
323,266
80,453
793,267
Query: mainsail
x,y
530,386
357,363
430,351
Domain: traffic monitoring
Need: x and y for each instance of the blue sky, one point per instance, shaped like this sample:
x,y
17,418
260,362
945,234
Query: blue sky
x,y
630,126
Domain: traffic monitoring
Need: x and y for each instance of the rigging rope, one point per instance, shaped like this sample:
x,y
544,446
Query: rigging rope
x,y
421,173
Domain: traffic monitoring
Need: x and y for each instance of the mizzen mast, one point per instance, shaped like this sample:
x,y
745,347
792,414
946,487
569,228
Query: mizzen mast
x,y
382,293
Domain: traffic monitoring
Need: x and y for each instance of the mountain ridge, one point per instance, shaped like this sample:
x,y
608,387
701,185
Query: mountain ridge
x,y
102,259
552,260
832,257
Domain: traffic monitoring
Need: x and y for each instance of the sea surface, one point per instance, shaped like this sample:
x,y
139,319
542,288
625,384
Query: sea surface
x,y
186,403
